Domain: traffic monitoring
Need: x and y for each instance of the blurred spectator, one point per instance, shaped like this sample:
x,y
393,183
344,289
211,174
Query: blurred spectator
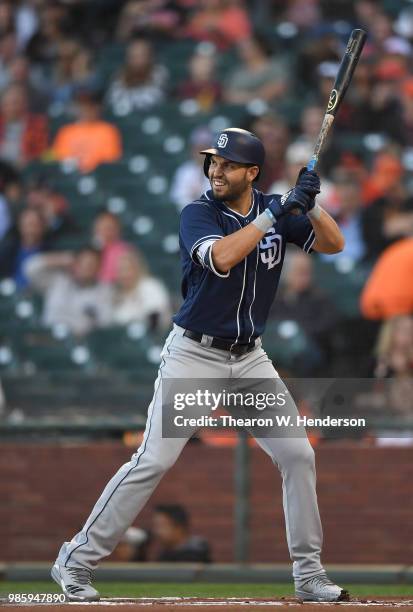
x,y
403,26
20,72
90,140
189,180
349,214
72,71
404,122
54,208
305,14
141,82
300,300
259,77
5,216
222,22
297,156
387,220
394,362
23,135
8,51
6,16
107,238
171,530
133,546
73,295
26,21
389,289
355,109
274,133
139,297
43,46
202,84
394,350
10,196
381,35
311,120
366,11
383,110
154,17
323,45
385,176
20,244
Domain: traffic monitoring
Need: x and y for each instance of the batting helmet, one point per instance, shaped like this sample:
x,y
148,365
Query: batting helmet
x,y
237,145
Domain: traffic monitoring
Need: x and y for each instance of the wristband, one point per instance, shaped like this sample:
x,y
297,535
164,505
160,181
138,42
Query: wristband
x,y
270,215
264,221
315,212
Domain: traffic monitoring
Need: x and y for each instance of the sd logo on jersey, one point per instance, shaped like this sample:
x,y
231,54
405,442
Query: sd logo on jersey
x,y
270,249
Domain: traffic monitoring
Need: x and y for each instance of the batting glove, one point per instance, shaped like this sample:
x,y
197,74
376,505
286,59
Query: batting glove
x,y
295,199
309,181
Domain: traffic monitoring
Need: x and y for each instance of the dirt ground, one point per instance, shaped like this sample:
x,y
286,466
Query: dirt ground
x,y
213,604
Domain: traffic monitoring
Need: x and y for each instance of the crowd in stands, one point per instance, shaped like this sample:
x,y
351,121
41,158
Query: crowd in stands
x,y
169,539
271,64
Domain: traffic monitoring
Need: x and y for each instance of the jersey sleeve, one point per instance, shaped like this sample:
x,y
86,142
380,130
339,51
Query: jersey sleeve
x,y
199,230
300,231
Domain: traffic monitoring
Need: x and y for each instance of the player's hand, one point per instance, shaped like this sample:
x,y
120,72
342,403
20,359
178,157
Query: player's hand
x,y
309,181
295,200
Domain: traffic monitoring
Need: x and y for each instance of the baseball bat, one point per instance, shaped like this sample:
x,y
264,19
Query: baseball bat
x,y
345,72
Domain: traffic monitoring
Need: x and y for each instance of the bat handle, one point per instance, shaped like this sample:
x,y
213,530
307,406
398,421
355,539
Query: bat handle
x,y
312,163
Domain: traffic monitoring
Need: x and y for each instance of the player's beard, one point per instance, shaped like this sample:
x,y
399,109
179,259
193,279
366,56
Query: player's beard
x,y
231,192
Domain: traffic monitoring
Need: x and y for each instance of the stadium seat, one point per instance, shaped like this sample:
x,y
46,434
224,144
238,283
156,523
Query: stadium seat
x,y
289,347
124,348
9,360
342,280
41,349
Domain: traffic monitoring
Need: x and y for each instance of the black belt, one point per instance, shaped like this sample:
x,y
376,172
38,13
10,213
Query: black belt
x,y
220,343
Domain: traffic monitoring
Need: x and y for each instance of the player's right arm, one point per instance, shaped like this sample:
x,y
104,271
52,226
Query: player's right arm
x,y
230,250
204,239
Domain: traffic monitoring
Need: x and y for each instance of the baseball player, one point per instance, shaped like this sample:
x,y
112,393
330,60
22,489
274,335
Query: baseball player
x,y
233,241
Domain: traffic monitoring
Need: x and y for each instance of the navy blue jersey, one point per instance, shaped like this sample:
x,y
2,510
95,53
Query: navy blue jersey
x,y
234,305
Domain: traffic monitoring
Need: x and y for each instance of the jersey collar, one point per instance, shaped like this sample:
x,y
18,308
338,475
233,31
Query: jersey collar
x,y
208,195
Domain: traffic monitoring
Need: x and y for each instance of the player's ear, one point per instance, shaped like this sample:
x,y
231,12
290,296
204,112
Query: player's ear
x,y
252,173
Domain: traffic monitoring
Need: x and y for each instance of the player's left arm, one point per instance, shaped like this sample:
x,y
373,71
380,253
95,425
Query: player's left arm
x,y
328,237
314,230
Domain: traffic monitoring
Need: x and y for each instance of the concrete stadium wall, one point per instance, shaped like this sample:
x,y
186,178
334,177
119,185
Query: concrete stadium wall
x,y
365,495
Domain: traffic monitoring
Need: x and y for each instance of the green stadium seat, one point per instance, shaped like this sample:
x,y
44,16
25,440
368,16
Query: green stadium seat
x,y
106,174
109,60
342,280
127,349
18,311
9,360
41,349
287,345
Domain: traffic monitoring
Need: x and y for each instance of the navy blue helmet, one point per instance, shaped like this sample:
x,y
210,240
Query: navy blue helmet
x,y
236,145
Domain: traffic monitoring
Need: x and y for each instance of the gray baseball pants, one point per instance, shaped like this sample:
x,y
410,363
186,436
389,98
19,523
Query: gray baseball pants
x,y
131,487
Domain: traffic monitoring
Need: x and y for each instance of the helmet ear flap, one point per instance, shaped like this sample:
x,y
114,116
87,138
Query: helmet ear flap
x,y
207,162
